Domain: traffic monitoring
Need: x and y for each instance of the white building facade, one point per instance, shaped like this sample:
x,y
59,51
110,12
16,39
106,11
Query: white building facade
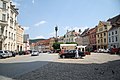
x,y
70,36
8,19
114,37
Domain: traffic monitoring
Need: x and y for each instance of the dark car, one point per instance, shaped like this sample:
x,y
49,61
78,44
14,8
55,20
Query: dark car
x,y
70,54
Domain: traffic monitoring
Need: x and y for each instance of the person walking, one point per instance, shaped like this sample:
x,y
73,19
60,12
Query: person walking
x,y
61,52
77,53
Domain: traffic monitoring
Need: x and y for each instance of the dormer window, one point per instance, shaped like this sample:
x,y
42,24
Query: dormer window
x,y
105,26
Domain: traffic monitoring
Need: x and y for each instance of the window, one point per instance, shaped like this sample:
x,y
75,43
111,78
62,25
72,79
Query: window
x,y
109,34
101,40
109,39
4,5
101,29
6,32
9,35
104,34
115,32
104,40
116,38
101,34
7,16
14,36
112,38
3,17
95,35
105,26
98,41
98,35
112,33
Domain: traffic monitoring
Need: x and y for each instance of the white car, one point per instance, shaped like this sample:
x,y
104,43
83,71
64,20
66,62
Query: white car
x,y
106,50
9,54
100,50
3,54
35,53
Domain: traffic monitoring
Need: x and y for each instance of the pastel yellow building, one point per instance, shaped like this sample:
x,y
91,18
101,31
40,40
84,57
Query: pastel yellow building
x,y
19,38
102,34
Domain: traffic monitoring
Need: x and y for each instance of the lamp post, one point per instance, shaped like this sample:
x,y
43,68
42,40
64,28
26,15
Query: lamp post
x,y
56,29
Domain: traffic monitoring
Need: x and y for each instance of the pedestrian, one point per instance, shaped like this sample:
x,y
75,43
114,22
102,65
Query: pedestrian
x,y
61,52
77,53
80,53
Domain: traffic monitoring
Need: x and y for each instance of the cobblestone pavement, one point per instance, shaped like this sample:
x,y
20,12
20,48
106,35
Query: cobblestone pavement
x,y
96,66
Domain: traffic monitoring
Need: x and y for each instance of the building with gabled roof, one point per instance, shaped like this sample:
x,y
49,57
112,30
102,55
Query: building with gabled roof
x,y
85,37
70,36
92,38
114,32
102,34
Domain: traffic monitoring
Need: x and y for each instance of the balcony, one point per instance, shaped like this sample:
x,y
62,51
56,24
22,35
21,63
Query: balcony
x,y
4,9
3,23
2,37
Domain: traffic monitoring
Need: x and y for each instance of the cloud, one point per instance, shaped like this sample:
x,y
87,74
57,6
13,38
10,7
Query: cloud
x,y
33,1
39,37
40,23
26,28
75,28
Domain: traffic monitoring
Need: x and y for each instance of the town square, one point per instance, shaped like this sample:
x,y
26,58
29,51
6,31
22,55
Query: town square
x,y
59,40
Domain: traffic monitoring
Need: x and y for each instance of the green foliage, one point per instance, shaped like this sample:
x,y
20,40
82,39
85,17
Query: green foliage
x,y
56,45
35,40
71,43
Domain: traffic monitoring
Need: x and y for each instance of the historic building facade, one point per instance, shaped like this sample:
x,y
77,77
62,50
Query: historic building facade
x,y
114,32
102,34
85,37
19,38
92,38
8,19
11,34
70,36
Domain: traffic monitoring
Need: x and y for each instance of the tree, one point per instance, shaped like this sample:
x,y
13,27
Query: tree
x,y
56,45
71,43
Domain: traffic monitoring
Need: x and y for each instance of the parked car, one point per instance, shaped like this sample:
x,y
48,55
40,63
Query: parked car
x,y
3,54
9,53
100,50
21,52
115,50
13,53
35,53
70,54
106,50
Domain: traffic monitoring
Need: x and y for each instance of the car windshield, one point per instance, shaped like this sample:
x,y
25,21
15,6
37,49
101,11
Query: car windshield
x,y
34,51
6,52
65,51
1,51
72,51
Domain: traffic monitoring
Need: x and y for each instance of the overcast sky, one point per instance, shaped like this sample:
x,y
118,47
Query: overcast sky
x,y
40,17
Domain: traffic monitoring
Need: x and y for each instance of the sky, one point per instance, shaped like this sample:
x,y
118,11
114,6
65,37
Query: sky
x,y
40,17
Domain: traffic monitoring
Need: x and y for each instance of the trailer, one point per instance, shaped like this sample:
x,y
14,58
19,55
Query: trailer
x,y
68,46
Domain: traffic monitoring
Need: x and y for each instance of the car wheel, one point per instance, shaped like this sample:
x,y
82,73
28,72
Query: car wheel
x,y
63,56
0,57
